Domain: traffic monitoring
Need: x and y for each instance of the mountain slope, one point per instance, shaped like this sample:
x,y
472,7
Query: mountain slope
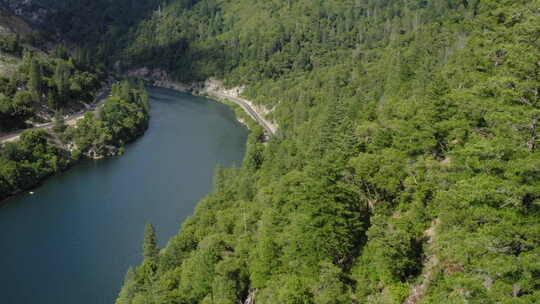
x,y
43,83
10,26
393,115
97,25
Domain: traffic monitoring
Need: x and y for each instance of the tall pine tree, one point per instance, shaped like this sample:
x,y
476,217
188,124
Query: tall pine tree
x,y
150,249
35,81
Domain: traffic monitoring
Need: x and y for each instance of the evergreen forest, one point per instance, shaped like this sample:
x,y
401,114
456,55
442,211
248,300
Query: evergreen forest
x,y
406,166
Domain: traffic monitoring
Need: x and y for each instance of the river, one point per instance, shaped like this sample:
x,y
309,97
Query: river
x,y
74,239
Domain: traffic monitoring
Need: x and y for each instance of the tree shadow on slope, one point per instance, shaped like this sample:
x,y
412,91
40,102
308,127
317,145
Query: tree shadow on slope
x,y
183,60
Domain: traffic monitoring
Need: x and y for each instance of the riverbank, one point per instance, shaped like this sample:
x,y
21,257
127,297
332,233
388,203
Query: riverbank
x,y
92,217
69,120
215,89
41,152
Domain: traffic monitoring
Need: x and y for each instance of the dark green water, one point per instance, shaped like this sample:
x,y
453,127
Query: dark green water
x,y
73,241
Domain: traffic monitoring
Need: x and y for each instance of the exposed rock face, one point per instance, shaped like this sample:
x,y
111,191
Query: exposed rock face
x,y
29,10
96,152
212,87
160,78
102,152
212,84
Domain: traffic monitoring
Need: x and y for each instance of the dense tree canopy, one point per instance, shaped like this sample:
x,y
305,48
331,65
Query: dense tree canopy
x,y
123,117
27,162
38,153
407,155
47,83
407,152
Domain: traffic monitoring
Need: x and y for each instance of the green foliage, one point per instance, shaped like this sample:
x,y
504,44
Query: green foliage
x,y
126,113
27,162
54,83
122,118
14,112
51,81
150,249
11,44
408,133
35,82
89,134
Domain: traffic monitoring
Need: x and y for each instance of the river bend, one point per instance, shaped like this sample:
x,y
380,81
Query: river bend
x,y
73,240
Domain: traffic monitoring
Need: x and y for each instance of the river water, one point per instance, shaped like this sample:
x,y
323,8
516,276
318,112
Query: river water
x,y
74,239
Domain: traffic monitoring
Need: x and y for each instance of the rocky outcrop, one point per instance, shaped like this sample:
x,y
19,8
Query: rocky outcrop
x,y
160,78
11,24
96,153
102,152
211,87
215,88
30,10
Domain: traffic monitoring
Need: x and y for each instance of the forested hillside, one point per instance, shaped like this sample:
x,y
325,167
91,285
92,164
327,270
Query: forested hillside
x,y
40,153
100,24
406,168
40,76
43,81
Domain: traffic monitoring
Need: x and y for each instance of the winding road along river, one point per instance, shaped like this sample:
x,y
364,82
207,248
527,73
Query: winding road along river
x,y
74,239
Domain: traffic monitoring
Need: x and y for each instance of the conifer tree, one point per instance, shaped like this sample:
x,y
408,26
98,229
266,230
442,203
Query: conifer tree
x,y
61,77
150,250
52,99
35,80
